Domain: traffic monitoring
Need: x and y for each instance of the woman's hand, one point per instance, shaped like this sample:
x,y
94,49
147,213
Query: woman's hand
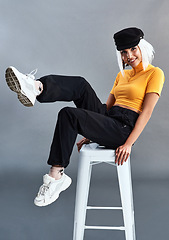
x,y
81,142
122,154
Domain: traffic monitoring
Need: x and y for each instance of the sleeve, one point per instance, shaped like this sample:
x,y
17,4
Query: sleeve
x,y
115,84
156,81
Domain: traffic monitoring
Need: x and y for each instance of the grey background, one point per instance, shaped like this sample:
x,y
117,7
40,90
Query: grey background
x,y
75,38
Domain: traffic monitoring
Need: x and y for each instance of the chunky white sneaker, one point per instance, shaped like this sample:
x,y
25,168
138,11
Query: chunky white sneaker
x,y
23,85
51,188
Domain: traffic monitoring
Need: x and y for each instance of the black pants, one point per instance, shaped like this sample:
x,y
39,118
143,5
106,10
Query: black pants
x,y
89,118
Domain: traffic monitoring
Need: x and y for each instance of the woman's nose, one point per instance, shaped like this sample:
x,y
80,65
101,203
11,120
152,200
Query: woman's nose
x,y
129,55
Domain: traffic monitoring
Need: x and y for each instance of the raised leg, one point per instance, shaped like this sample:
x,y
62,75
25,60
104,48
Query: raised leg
x,y
125,184
70,88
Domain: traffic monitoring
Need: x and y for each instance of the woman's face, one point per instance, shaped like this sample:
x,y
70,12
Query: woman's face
x,y
131,56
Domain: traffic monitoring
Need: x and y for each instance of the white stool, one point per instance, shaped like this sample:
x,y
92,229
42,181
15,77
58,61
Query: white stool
x,y
91,154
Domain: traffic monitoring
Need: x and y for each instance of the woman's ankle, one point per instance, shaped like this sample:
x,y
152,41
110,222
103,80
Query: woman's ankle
x,y
38,87
56,172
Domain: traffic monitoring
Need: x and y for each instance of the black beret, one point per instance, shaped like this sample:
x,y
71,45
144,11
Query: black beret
x,y
127,38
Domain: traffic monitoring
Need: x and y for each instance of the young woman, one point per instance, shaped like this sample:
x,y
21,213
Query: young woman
x,y
116,124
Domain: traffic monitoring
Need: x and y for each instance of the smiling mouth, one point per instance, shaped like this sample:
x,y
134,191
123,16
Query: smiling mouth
x,y
132,61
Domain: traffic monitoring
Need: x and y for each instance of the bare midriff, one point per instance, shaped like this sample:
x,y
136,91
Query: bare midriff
x,y
123,106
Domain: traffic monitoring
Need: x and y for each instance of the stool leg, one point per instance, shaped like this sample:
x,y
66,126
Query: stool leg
x,y
125,185
82,191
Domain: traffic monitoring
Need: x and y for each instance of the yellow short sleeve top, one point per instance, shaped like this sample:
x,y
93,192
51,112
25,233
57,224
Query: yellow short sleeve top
x,y
130,89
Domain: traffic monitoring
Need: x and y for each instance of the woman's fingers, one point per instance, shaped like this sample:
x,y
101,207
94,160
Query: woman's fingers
x,y
81,142
125,157
119,157
122,154
79,145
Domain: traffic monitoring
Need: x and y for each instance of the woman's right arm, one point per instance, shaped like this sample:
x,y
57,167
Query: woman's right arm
x,y
110,101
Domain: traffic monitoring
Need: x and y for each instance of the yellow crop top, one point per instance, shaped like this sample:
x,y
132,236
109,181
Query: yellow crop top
x,y
130,89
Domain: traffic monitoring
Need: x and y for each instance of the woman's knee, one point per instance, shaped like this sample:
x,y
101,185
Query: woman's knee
x,y
71,114
68,118
66,111
82,79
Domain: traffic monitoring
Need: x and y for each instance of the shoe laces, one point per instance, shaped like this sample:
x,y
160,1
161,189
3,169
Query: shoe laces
x,y
32,74
44,188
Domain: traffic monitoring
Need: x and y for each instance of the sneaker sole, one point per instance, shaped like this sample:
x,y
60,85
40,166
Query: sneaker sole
x,y
65,186
14,85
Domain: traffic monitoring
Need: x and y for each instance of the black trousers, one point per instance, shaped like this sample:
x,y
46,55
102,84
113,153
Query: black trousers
x,y
89,118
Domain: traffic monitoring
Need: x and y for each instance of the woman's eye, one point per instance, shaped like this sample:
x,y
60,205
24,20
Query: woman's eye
x,y
134,48
123,52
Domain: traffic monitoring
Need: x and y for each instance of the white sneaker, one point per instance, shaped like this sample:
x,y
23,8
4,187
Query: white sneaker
x,y
51,188
23,85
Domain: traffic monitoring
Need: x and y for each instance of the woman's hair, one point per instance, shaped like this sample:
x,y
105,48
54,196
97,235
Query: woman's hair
x,y
147,52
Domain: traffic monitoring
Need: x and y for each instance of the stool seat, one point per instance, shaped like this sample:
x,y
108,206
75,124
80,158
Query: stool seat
x,y
92,154
98,153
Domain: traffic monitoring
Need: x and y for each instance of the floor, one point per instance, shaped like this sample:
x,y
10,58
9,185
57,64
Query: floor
x,y
21,220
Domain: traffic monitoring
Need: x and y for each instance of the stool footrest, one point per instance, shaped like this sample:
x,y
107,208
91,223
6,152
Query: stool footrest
x,y
121,228
104,208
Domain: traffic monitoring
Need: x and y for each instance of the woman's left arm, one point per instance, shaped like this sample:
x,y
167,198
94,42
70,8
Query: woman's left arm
x,y
123,151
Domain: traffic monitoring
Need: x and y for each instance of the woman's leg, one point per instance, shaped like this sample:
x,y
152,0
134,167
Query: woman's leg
x,y
70,88
99,128
53,88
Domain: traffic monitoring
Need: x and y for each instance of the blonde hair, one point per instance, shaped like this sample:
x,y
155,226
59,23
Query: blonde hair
x,y
147,52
